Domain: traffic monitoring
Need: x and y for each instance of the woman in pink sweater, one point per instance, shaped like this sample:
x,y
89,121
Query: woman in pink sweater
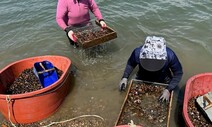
x,y
75,13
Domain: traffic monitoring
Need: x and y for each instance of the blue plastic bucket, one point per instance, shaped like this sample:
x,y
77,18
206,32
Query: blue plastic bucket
x,y
46,73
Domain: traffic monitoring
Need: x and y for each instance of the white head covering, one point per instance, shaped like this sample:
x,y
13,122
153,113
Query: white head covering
x,y
153,53
154,48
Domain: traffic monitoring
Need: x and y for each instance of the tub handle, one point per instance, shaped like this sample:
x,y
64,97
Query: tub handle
x,y
8,99
44,70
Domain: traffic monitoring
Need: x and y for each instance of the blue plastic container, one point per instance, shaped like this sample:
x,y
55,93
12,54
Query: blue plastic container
x,y
46,73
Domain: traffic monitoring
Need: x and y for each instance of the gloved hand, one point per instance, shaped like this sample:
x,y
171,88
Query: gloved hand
x,y
165,96
72,36
123,84
103,24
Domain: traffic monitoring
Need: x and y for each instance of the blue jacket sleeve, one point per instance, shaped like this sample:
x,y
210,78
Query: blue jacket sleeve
x,y
131,64
176,69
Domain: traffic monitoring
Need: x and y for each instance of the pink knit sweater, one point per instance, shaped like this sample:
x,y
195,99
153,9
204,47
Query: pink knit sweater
x,y
73,12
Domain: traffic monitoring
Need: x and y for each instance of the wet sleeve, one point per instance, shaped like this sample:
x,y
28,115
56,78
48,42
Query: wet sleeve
x,y
95,10
131,64
61,13
177,71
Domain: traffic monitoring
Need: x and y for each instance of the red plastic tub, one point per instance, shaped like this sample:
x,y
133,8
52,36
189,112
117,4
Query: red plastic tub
x,y
197,85
37,105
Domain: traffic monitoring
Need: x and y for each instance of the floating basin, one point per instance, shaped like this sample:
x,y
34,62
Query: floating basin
x,y
197,85
37,105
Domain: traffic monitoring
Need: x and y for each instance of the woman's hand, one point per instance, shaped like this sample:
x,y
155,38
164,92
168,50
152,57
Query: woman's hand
x,y
165,96
72,36
103,24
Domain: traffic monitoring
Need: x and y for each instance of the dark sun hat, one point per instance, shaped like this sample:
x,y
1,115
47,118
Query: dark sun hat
x,y
153,53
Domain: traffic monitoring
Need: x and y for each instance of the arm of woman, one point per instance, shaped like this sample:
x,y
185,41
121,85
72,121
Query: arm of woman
x,y
61,14
177,71
95,10
131,63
